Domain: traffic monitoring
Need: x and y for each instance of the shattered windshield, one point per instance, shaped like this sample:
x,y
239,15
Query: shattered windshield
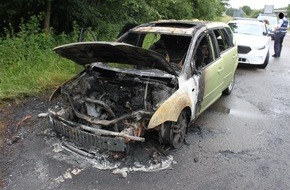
x,y
172,47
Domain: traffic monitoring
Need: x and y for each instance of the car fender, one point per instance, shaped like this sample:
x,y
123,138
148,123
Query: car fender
x,y
171,108
185,96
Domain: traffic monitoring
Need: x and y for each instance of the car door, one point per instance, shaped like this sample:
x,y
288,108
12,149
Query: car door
x,y
209,69
228,53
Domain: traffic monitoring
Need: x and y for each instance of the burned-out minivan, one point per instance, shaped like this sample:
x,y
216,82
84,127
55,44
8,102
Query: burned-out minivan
x,y
156,76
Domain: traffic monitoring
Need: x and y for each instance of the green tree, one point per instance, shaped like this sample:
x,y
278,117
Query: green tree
x,y
255,13
288,10
247,10
208,9
47,17
230,11
105,17
13,12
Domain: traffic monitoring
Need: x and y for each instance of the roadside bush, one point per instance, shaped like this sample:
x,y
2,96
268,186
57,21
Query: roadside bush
x,y
28,64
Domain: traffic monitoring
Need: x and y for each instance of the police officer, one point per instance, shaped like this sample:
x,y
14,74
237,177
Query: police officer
x,y
280,32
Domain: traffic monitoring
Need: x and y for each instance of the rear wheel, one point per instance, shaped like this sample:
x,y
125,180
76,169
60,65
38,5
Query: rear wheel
x,y
229,89
173,133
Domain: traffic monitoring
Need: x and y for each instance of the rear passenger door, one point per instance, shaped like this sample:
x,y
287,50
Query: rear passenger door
x,y
227,52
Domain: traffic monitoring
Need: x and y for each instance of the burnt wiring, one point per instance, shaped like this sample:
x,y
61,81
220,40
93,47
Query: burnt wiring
x,y
134,115
146,90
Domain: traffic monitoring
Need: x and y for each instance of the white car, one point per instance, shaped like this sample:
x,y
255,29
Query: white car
x,y
253,41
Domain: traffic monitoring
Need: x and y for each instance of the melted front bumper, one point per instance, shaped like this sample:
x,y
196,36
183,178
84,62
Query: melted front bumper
x,y
89,136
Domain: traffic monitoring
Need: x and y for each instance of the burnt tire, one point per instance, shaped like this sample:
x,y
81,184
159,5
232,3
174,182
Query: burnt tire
x,y
173,133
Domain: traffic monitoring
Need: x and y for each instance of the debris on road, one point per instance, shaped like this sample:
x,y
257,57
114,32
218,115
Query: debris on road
x,y
21,121
43,114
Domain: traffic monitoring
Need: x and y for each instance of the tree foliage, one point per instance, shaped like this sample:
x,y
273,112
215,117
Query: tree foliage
x,y
208,9
288,10
247,10
29,29
104,16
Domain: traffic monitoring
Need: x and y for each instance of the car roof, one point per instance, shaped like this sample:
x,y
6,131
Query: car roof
x,y
247,21
267,15
177,27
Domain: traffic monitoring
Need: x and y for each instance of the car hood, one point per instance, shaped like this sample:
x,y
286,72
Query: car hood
x,y
84,53
251,40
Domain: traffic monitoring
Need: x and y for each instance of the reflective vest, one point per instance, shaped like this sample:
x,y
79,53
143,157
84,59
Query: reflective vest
x,y
284,26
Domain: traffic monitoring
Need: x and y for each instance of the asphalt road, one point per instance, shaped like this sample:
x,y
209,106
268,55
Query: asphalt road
x,y
241,142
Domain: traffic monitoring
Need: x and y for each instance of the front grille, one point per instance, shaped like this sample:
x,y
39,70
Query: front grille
x,y
86,138
244,49
242,60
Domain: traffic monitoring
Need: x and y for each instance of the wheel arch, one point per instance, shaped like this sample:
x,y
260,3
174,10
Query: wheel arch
x,y
171,109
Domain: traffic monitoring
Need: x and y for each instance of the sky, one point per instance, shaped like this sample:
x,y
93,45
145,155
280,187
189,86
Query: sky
x,y
259,4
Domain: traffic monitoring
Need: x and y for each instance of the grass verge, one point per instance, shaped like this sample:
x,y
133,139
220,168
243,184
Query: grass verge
x,y
28,65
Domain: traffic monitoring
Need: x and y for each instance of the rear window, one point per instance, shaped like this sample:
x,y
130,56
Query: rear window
x,y
172,47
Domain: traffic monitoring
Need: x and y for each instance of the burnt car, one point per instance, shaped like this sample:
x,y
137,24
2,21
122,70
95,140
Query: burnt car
x,y
156,76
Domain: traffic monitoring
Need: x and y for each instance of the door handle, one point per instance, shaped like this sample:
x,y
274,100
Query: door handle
x,y
220,69
234,56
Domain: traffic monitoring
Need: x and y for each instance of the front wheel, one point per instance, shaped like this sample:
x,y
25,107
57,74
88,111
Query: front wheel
x,y
173,133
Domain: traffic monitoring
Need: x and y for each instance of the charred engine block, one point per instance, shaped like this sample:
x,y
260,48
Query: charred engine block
x,y
106,98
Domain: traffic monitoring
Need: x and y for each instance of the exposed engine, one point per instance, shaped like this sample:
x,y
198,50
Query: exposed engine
x,y
114,101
